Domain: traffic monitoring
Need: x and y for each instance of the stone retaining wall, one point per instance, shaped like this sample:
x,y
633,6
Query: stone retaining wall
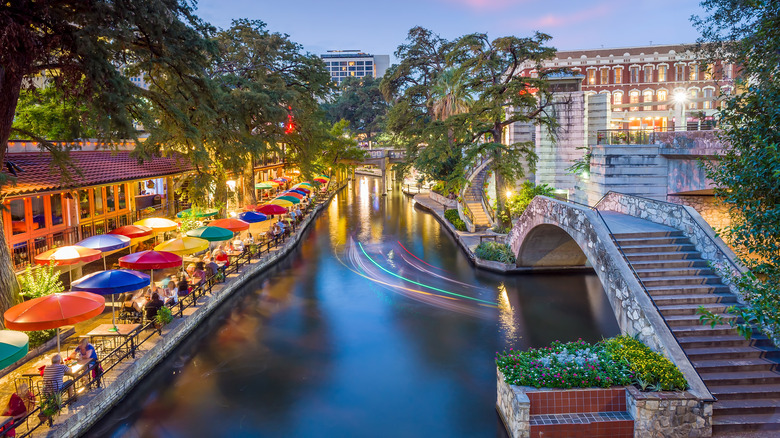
x,y
77,424
446,202
668,414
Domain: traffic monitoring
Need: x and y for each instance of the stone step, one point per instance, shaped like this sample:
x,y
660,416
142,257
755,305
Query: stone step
x,y
747,406
647,234
743,392
663,240
642,249
670,309
662,256
693,300
671,272
724,424
729,340
734,365
703,330
681,280
741,378
691,320
693,289
674,264
732,352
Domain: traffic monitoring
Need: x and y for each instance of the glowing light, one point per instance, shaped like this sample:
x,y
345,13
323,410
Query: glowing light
x,y
509,193
231,184
680,97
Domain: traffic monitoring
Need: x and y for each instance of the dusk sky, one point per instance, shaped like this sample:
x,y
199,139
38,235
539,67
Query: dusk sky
x,y
378,27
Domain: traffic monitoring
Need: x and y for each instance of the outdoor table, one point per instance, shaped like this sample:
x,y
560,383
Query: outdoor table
x,y
123,331
233,255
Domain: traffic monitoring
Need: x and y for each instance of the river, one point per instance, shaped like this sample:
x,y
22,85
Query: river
x,y
376,325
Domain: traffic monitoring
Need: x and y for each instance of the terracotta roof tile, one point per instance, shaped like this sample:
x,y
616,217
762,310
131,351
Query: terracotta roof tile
x,y
98,167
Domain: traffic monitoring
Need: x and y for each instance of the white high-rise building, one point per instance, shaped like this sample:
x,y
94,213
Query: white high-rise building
x,y
342,64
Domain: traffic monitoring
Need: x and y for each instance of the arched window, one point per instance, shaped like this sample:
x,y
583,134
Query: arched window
x,y
617,99
647,96
663,95
634,98
694,94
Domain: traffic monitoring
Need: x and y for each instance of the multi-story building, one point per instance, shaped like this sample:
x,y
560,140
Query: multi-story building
x,y
342,64
651,87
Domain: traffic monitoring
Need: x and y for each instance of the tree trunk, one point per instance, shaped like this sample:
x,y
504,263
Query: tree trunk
x,y
249,183
10,86
503,217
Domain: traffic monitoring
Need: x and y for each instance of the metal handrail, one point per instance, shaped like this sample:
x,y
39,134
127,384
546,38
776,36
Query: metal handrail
x,y
641,283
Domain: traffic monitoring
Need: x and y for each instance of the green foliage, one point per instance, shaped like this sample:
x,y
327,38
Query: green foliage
x,y
581,167
361,103
747,34
495,251
189,219
454,218
164,316
51,404
49,114
650,369
40,281
40,337
613,362
528,190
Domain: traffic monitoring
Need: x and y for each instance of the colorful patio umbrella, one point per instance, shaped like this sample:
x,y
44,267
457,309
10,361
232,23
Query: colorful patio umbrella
x,y
151,260
199,214
115,281
321,180
263,186
13,346
105,243
283,179
292,199
272,183
234,225
67,255
212,234
294,194
252,217
54,311
300,191
272,209
280,181
282,202
183,245
158,224
132,231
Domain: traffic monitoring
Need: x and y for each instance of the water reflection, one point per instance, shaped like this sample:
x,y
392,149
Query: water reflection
x,y
376,325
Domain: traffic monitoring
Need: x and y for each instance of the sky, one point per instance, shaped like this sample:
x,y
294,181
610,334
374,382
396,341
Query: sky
x,y
378,27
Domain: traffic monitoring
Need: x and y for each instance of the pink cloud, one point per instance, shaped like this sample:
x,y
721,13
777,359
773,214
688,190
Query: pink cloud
x,y
558,20
485,4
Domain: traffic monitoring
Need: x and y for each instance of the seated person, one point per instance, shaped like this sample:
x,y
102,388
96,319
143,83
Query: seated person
x,y
211,269
197,275
207,257
249,240
182,287
165,281
152,289
151,308
54,374
84,353
220,257
133,301
238,245
169,296
20,403
298,212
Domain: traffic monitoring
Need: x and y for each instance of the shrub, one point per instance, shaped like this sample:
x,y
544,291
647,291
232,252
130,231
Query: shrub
x,y
519,202
40,337
617,361
498,252
40,282
454,218
650,368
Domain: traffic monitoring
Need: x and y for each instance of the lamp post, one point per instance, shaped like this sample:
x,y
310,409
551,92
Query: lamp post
x,y
680,98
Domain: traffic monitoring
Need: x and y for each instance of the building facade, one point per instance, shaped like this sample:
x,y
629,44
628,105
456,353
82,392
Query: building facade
x,y
342,64
653,87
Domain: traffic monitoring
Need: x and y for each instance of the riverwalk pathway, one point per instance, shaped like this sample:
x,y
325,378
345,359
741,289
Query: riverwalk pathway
x,y
150,347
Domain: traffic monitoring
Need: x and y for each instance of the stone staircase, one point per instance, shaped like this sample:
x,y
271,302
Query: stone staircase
x,y
742,374
473,199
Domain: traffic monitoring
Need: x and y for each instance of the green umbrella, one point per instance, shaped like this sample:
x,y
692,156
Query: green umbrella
x,y
263,185
212,234
13,346
199,214
292,199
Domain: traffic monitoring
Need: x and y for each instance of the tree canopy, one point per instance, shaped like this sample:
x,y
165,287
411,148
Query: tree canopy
x,y
360,102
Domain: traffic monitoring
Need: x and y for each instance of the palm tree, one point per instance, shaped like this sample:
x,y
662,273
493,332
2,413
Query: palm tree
x,y
449,95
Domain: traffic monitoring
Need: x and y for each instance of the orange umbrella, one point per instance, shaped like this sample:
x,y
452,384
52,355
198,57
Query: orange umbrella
x,y
234,225
54,311
68,255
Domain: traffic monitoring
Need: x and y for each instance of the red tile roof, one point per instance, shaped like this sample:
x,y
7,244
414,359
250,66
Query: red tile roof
x,y
97,167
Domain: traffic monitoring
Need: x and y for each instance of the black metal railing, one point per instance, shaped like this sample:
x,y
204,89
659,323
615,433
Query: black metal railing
x,y
23,253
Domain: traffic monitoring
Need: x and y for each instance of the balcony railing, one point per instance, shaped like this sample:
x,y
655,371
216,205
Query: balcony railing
x,y
23,253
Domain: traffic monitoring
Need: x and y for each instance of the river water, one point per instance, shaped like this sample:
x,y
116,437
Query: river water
x,y
375,326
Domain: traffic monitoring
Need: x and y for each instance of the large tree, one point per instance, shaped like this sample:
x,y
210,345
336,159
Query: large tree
x,y
360,102
87,50
747,175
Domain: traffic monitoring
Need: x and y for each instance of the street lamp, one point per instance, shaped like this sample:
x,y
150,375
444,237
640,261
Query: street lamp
x,y
680,98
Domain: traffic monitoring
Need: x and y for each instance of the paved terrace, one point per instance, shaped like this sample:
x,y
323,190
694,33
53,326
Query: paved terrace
x,y
120,364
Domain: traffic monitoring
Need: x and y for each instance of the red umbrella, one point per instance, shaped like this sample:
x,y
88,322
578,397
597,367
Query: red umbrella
x,y
321,180
234,225
67,255
272,209
302,188
293,194
150,260
54,311
132,231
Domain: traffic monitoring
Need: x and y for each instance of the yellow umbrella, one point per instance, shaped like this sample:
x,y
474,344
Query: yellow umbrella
x,y
281,202
183,245
158,224
273,183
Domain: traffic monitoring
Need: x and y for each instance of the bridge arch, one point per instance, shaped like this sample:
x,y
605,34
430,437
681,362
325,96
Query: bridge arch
x,y
548,245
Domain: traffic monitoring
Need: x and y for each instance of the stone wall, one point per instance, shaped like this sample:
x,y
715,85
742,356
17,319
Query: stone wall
x,y
446,202
514,407
634,311
715,213
668,414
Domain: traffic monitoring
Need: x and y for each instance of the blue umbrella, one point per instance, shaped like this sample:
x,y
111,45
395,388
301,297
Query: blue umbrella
x,y
252,217
300,192
105,243
111,282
